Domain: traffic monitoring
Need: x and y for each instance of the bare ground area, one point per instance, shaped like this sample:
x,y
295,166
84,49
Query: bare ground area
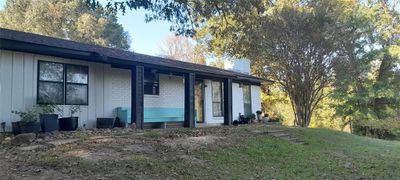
x,y
245,152
120,153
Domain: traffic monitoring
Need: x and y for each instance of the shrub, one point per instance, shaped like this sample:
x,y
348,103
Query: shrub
x,y
382,129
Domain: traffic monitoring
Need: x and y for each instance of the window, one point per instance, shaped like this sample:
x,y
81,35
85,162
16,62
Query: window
x,y
76,85
62,84
151,82
217,99
247,100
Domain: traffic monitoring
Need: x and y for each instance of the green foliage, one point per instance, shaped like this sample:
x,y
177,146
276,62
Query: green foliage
x,y
73,109
49,107
367,86
73,20
27,116
388,129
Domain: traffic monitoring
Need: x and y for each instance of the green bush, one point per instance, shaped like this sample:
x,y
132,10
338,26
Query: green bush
x,y
383,129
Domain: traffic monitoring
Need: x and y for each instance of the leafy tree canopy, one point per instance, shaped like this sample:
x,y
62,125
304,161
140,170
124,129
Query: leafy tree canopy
x,y
73,20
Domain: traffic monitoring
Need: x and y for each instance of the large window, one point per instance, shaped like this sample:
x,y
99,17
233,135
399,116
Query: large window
x,y
62,84
151,83
217,98
247,99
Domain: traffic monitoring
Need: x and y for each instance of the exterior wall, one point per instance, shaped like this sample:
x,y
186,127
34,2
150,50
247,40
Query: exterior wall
x,y
255,98
237,101
109,88
18,87
171,91
208,113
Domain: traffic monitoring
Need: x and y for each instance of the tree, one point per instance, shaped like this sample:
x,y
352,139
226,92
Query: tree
x,y
181,48
297,43
368,79
291,42
73,20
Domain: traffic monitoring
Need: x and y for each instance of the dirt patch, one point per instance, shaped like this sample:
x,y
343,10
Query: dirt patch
x,y
192,143
112,154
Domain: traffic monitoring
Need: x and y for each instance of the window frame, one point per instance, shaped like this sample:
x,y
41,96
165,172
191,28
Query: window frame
x,y
222,99
64,82
157,82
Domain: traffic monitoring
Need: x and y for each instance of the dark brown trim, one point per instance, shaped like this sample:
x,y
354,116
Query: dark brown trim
x,y
137,96
189,120
228,102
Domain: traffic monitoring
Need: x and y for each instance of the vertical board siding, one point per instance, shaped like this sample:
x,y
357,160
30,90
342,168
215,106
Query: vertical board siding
x,y
99,95
6,89
91,115
107,107
18,90
255,98
28,81
17,83
238,105
18,87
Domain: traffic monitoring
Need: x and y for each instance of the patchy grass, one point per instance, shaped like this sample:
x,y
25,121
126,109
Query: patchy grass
x,y
327,154
217,153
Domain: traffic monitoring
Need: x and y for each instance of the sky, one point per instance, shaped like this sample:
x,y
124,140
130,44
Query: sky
x,y
145,37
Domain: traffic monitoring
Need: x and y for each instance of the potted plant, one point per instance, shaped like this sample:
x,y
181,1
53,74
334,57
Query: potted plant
x,y
252,117
70,123
259,115
48,118
29,121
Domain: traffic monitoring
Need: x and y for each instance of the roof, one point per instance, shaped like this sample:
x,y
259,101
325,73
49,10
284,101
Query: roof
x,y
34,43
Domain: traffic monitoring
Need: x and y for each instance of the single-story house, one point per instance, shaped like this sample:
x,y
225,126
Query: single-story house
x,y
103,81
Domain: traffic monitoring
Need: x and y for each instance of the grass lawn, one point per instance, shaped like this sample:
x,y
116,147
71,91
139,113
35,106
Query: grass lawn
x,y
218,153
327,154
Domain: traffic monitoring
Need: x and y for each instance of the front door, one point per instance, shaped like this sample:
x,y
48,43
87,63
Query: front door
x,y
199,101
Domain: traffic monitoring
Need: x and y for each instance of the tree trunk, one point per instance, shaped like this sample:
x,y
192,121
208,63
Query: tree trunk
x,y
303,114
380,104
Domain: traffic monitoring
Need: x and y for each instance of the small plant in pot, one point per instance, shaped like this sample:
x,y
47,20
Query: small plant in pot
x,y
259,115
252,117
70,123
48,118
29,121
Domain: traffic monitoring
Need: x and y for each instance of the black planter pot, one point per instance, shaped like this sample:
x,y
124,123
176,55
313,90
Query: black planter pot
x,y
68,124
103,123
49,122
16,128
30,127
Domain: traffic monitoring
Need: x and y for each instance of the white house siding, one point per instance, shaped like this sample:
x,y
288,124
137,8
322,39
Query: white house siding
x,y
255,98
171,91
108,88
208,114
237,101
18,86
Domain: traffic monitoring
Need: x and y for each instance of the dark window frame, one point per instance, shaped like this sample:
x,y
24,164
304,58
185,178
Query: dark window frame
x,y
221,102
64,83
157,82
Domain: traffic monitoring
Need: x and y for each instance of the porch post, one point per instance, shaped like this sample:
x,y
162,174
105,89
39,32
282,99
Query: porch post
x,y
228,102
189,100
137,96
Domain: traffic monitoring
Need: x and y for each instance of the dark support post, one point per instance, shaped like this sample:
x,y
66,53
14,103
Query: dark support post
x,y
137,94
189,100
228,102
